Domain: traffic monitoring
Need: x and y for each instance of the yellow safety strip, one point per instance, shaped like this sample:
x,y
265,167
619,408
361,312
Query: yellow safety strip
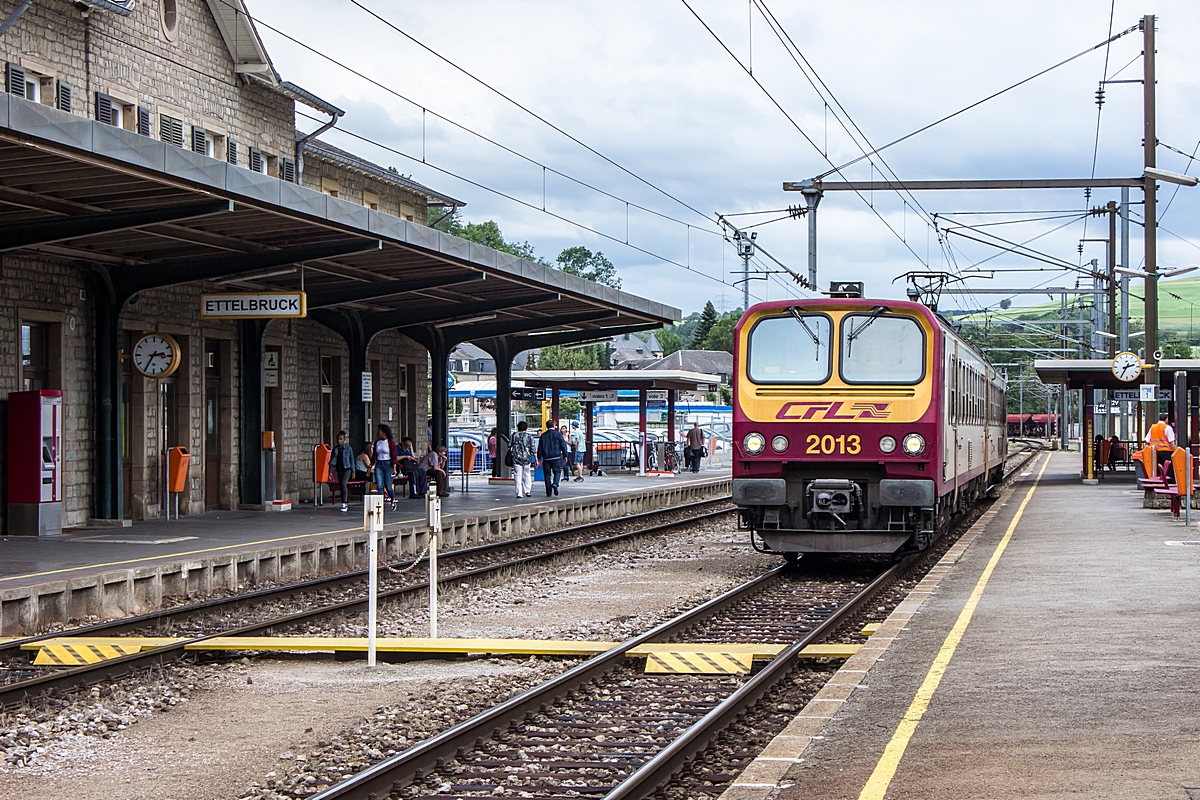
x,y
699,662
870,629
77,655
881,778
829,650
523,647
131,641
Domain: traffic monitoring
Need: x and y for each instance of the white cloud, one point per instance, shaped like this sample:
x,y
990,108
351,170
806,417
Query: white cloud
x,y
648,86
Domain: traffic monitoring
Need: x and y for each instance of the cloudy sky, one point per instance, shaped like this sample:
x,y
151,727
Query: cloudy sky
x,y
646,85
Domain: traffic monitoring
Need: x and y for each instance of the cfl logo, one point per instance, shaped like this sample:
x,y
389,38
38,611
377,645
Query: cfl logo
x,y
832,410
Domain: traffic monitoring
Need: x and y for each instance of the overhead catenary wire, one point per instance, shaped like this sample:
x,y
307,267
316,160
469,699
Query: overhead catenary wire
x,y
977,103
390,24
462,127
342,130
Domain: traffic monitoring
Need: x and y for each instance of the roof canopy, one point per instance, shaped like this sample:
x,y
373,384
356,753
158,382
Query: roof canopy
x,y
609,379
1097,372
149,215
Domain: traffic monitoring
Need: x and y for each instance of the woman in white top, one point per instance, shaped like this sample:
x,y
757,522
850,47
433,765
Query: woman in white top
x,y
385,448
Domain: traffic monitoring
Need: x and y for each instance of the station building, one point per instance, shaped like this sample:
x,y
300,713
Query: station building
x,y
149,157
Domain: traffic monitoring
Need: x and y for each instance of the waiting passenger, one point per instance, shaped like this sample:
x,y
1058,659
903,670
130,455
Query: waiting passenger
x,y
435,463
410,468
342,459
362,464
1116,452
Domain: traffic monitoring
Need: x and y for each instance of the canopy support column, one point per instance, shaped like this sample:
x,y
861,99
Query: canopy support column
x,y
643,456
108,494
250,472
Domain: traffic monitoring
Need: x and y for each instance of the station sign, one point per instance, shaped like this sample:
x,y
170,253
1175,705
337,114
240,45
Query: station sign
x,y
254,305
1125,394
658,395
271,369
592,396
368,387
1145,394
523,393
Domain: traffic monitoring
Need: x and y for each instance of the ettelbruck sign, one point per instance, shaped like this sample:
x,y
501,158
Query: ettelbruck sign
x,y
254,305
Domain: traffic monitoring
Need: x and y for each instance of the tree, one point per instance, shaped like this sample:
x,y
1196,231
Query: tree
x,y
720,337
708,318
591,266
671,341
486,233
559,357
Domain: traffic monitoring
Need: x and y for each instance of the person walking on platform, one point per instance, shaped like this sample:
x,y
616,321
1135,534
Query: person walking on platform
x,y
385,459
576,442
342,459
1161,437
552,450
695,446
523,452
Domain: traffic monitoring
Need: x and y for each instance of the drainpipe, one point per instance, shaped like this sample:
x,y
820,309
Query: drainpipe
x,y
14,16
300,143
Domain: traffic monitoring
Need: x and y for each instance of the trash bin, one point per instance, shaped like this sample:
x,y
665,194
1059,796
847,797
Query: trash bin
x,y
178,459
321,456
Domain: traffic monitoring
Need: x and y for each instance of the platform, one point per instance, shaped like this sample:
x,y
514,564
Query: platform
x,y
113,572
1052,656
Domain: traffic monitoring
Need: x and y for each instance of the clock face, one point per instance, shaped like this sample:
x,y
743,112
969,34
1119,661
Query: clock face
x,y
1127,366
156,355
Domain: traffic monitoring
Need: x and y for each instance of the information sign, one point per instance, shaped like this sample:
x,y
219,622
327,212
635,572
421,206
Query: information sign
x,y
253,305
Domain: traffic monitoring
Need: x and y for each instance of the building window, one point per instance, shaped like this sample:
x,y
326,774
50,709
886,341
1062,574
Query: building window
x,y
170,130
168,17
407,211
203,142
331,187
371,200
256,161
35,356
143,121
62,97
287,170
231,152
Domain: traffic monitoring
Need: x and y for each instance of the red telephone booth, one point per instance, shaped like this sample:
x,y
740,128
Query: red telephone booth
x,y
34,463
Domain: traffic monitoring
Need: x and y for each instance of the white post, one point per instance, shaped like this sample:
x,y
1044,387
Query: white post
x,y
373,512
433,509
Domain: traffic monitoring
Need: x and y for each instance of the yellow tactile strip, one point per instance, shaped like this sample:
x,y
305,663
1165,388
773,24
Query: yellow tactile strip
x,y
764,774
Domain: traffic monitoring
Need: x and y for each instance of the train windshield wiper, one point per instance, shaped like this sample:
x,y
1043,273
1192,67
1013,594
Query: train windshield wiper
x,y
854,333
804,323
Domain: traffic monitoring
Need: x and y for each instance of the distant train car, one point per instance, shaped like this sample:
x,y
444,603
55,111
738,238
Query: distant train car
x,y
860,426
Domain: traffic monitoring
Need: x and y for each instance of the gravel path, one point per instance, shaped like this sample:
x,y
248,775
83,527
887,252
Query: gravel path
x,y
239,729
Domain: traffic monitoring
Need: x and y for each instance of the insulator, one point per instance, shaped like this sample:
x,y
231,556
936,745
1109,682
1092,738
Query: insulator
x,y
1100,96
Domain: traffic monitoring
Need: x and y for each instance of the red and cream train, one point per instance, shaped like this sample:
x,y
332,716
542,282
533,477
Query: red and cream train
x,y
860,426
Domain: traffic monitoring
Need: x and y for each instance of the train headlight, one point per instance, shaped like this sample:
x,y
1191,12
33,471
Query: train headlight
x,y
913,444
754,443
779,444
887,444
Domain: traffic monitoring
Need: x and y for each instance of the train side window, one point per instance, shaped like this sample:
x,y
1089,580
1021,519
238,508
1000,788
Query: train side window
x,y
790,349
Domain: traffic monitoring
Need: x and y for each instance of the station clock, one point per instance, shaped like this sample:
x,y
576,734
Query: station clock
x,y
1126,366
156,355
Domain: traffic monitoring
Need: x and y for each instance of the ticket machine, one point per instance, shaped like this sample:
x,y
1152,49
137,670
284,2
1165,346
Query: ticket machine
x,y
34,463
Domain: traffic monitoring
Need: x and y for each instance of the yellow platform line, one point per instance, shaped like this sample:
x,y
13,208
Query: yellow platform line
x,y
881,777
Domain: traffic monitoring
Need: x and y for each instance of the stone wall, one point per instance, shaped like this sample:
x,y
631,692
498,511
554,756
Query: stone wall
x,y
131,59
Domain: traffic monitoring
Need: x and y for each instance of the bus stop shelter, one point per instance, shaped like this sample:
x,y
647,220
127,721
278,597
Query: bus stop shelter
x,y
1176,382
603,384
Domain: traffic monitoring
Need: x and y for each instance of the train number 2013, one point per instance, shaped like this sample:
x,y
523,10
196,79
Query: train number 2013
x,y
828,445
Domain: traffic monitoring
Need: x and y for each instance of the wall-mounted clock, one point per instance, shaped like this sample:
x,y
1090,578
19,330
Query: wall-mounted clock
x,y
156,355
1126,366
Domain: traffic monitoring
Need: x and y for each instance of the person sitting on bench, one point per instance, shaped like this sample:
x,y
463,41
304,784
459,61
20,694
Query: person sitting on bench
x,y
411,469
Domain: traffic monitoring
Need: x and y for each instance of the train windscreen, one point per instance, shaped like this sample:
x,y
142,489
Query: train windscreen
x,y
791,349
882,349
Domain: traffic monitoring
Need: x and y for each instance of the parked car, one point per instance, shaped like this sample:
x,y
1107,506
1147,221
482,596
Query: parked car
x,y
454,451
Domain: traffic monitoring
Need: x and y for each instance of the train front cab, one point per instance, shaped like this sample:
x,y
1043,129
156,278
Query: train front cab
x,y
836,426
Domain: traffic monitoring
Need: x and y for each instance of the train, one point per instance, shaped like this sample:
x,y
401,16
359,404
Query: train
x,y
859,425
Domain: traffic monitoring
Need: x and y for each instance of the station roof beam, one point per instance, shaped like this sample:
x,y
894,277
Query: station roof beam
x,y
58,229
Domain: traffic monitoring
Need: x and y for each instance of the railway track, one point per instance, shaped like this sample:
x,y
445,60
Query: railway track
x,y
256,613
605,729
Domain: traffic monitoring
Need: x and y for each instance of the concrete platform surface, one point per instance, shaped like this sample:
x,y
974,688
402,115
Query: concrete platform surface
x,y
113,571
1076,675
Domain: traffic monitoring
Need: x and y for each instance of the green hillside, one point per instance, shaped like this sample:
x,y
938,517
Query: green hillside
x,y
1178,308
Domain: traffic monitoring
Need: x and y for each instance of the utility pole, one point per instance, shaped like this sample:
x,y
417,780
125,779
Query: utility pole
x,y
1125,299
1112,275
745,250
812,196
1149,148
